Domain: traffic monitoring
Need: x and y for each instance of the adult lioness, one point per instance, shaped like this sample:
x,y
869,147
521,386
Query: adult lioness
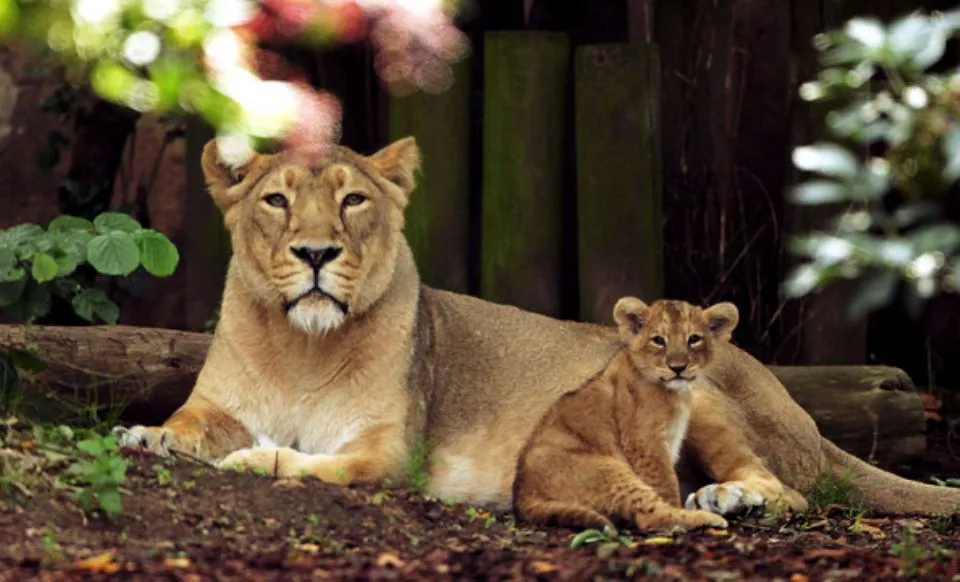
x,y
329,347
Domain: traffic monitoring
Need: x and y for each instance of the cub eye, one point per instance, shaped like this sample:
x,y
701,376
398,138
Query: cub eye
x,y
694,339
353,199
659,340
276,200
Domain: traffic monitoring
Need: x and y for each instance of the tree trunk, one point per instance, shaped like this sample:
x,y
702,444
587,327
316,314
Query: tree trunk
x,y
871,411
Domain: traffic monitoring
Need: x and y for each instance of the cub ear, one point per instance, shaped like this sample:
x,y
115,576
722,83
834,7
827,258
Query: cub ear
x,y
223,179
722,318
630,314
399,162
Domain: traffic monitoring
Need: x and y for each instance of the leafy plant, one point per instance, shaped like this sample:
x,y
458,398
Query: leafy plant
x,y
415,466
101,475
37,262
892,162
829,490
909,550
607,540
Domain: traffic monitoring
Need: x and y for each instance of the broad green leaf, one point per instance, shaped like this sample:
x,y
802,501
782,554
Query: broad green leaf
x,y
21,234
827,159
90,303
820,192
45,268
28,360
34,302
874,292
936,237
92,446
66,263
803,280
8,259
110,501
158,255
114,253
11,291
67,223
115,221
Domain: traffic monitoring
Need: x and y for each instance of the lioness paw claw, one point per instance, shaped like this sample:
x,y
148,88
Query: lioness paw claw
x,y
155,439
724,498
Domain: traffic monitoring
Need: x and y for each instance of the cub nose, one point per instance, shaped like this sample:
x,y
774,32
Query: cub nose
x,y
678,368
316,257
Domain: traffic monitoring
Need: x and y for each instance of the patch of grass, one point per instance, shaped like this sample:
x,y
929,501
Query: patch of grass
x,y
415,467
99,475
908,550
830,490
474,513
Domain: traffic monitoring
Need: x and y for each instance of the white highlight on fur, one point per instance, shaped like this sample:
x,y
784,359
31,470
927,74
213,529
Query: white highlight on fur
x,y
677,431
461,478
265,442
677,384
316,319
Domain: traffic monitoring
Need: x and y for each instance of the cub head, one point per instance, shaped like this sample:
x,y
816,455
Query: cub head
x,y
671,342
316,238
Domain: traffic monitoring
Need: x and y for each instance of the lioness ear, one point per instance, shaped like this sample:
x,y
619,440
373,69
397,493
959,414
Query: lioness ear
x,y
398,162
630,314
722,318
222,178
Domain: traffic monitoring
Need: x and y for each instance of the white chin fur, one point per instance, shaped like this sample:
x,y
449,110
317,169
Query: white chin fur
x,y
677,384
316,319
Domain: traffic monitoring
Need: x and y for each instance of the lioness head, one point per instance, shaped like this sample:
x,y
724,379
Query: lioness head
x,y
672,341
315,238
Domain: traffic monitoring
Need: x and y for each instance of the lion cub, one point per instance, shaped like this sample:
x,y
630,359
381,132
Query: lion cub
x,y
608,449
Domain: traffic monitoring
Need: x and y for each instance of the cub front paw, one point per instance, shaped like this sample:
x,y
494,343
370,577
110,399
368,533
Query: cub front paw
x,y
694,518
267,460
724,498
156,439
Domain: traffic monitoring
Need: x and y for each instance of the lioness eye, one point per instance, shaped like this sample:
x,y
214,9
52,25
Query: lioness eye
x,y
353,199
277,200
694,339
659,340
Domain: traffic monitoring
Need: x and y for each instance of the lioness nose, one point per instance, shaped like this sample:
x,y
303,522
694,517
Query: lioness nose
x,y
678,368
316,257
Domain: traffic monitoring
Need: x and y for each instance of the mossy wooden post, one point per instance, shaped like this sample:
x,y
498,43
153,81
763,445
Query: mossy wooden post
x,y
207,251
438,218
620,222
525,98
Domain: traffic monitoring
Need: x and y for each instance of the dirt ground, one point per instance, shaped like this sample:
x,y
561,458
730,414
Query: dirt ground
x,y
182,520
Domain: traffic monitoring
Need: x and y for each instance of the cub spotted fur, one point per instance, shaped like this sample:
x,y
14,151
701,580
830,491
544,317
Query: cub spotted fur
x,y
609,449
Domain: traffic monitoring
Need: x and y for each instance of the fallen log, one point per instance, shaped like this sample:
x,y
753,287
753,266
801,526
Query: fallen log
x,y
872,411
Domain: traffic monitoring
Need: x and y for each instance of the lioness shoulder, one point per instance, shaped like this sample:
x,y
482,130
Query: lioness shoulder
x,y
623,430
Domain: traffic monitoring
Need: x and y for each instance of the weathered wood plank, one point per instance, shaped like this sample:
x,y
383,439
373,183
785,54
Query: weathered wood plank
x,y
620,217
438,219
525,80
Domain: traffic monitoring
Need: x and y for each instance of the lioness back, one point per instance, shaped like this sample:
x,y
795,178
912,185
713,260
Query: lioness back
x,y
623,430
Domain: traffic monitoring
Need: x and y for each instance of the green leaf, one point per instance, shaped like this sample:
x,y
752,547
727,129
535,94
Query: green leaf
x,y
874,292
115,221
936,237
21,234
8,260
11,291
66,263
158,255
867,31
28,360
114,253
820,192
90,303
66,222
92,446
110,501
951,151
34,302
827,159
45,268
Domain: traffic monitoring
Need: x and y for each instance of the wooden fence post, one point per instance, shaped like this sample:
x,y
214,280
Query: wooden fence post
x,y
619,210
525,98
438,218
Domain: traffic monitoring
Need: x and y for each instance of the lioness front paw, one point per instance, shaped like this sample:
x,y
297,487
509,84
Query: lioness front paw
x,y
724,498
279,462
156,439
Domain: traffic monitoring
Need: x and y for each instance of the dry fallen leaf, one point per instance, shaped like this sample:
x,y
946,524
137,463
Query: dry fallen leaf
x,y
715,532
101,563
799,578
389,559
178,562
874,532
657,541
540,567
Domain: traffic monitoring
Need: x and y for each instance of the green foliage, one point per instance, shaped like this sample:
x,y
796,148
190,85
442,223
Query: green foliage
x,y
37,263
416,467
887,225
909,550
100,475
606,540
829,490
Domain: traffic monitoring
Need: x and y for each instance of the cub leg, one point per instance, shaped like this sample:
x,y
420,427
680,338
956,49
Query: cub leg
x,y
562,513
628,497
